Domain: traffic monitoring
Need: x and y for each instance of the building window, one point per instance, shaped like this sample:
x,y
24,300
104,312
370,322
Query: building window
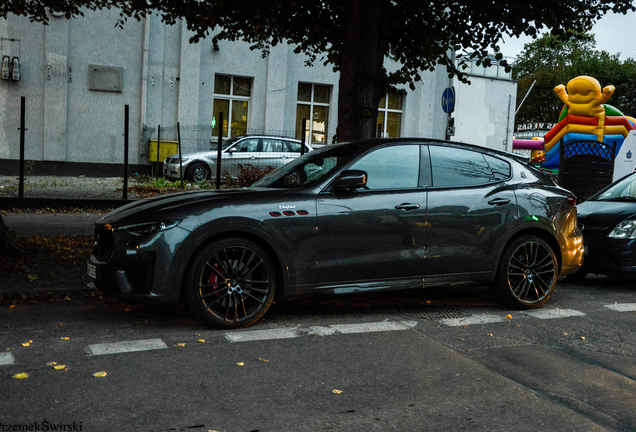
x,y
390,115
231,97
313,105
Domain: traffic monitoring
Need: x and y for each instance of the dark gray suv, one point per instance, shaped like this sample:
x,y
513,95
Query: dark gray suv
x,y
347,218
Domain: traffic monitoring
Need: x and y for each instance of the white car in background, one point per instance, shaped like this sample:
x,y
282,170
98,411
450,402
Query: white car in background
x,y
259,151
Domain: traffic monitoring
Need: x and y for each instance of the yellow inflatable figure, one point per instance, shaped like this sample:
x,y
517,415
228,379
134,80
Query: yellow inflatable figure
x,y
584,98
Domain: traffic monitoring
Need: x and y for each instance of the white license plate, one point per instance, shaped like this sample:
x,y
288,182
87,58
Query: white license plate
x,y
92,270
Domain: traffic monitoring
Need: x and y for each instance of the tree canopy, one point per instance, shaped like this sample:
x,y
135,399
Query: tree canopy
x,y
553,60
355,36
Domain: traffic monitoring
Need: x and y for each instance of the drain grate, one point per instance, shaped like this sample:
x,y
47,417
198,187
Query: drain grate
x,y
433,312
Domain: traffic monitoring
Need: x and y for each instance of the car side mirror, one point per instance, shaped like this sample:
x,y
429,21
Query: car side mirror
x,y
350,180
232,150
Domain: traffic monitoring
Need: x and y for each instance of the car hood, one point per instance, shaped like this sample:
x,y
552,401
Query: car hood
x,y
174,205
606,213
196,155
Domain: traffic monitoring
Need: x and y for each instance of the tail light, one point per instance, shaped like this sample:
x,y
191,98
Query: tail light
x,y
571,198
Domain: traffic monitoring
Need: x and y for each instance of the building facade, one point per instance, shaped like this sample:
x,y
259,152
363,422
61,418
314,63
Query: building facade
x,y
77,76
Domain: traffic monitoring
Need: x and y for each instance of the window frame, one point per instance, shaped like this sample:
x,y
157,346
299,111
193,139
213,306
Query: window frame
x,y
309,132
231,98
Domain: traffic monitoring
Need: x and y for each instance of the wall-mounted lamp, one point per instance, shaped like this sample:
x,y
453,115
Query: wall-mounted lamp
x,y
15,65
4,71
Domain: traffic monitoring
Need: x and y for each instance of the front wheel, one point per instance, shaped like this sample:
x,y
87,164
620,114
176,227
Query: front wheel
x,y
527,273
231,283
198,172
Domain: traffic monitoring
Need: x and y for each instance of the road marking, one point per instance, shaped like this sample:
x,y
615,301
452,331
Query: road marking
x,y
622,307
6,359
254,335
554,313
126,346
477,319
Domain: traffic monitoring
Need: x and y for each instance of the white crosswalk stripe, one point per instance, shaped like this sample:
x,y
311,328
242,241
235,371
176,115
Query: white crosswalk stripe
x,y
622,307
472,320
553,313
6,359
257,335
126,346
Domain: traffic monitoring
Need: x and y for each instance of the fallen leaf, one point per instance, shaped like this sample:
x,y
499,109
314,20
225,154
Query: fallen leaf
x,y
490,334
25,344
582,337
337,392
22,375
240,364
263,360
32,278
509,316
51,363
59,367
9,349
11,306
179,345
197,334
67,298
201,340
99,374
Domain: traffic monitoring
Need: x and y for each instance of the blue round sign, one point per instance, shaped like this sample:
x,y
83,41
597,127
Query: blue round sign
x,y
448,100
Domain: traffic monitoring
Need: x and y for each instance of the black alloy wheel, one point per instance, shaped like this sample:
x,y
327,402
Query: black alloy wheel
x,y
527,273
198,172
231,283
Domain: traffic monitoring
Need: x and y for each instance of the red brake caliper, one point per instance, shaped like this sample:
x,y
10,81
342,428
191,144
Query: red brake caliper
x,y
213,279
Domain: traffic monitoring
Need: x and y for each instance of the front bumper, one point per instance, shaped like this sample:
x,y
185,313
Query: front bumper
x,y
172,170
135,267
608,256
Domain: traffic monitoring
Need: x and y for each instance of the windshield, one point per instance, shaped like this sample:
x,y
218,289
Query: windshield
x,y
310,168
624,190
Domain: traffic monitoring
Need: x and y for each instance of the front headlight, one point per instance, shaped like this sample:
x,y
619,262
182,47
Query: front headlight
x,y
624,230
150,227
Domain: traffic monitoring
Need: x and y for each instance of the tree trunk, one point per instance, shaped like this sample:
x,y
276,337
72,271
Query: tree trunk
x,y
6,243
362,75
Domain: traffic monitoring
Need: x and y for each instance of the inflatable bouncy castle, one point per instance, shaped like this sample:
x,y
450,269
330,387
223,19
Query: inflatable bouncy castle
x,y
586,117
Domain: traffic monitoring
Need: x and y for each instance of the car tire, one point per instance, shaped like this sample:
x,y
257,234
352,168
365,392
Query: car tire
x,y
198,172
231,283
527,273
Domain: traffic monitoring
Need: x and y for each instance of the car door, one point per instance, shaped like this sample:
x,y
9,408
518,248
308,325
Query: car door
x,y
242,153
375,237
272,153
470,208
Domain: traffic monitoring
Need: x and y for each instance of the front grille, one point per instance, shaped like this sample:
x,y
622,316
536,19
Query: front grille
x,y
105,245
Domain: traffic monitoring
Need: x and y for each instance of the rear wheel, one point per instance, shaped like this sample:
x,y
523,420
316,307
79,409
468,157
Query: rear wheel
x,y
527,273
198,172
231,283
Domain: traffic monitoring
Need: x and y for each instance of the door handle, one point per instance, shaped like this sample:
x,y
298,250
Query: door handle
x,y
499,201
407,206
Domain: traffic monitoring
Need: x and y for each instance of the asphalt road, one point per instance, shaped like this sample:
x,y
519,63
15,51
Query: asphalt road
x,y
434,360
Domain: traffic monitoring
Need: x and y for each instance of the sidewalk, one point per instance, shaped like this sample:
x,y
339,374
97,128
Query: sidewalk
x,y
51,224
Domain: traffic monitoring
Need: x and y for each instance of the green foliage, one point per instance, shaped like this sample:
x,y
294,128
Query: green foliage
x,y
552,60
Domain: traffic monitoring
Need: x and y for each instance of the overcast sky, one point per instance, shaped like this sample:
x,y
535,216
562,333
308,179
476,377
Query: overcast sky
x,y
614,33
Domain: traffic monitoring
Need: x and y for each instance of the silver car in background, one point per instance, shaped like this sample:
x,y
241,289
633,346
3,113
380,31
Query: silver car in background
x,y
259,151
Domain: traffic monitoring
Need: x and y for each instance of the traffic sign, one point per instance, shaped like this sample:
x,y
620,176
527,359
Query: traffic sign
x,y
448,100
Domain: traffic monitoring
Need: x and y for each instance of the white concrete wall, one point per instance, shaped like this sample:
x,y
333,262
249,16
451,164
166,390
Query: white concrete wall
x,y
168,80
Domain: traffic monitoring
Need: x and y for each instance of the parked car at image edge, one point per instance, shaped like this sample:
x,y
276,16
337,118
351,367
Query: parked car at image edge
x,y
608,222
260,151
347,218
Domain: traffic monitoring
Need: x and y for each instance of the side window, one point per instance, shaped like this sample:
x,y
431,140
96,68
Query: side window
x,y
500,169
293,146
395,167
248,145
454,167
272,145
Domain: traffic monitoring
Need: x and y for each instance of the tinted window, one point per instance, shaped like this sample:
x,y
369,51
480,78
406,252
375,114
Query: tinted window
x,y
293,146
395,167
453,167
500,169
